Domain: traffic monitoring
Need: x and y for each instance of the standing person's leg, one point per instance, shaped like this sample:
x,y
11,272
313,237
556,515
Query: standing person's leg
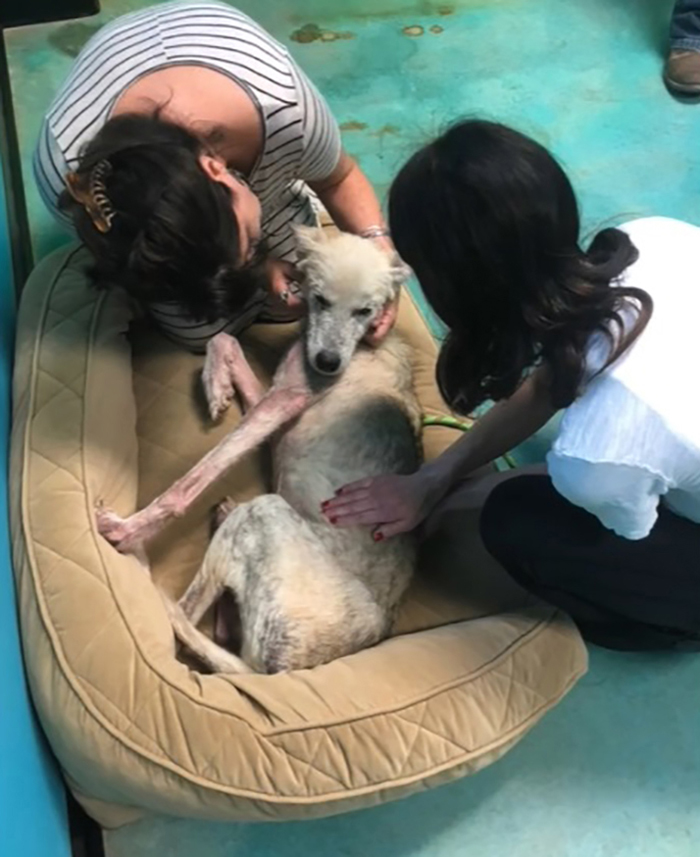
x,y
629,595
682,70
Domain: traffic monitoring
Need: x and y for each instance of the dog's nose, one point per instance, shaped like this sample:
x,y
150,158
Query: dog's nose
x,y
327,362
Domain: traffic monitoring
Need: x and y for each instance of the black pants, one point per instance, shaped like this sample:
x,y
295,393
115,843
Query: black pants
x,y
685,25
627,595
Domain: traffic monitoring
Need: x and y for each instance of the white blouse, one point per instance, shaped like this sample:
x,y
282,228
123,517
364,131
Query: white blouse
x,y
632,439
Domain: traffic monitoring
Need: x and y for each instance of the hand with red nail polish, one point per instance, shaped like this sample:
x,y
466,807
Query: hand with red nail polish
x,y
396,504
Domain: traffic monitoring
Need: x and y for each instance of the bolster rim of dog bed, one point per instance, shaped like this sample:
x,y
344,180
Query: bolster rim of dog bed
x,y
135,730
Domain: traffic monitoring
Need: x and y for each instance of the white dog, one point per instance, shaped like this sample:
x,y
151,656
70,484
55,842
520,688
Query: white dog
x,y
341,411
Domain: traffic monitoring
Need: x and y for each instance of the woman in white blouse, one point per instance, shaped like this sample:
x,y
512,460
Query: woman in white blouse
x,y
611,531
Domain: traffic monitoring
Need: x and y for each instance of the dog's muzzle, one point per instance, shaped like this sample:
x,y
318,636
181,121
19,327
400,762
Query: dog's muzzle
x,y
327,362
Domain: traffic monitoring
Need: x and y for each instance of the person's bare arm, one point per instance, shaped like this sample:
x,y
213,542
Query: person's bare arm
x,y
501,429
350,198
397,504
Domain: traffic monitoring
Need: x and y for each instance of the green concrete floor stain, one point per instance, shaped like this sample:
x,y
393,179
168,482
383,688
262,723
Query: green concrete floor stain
x,y
371,10
615,770
312,33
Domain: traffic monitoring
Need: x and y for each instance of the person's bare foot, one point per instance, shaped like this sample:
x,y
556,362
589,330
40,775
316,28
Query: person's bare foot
x,y
682,72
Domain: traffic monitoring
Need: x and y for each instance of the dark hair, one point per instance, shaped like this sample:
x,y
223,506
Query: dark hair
x,y
174,235
488,221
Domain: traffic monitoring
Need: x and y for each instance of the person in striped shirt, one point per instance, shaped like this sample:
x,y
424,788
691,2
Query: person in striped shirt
x,y
183,147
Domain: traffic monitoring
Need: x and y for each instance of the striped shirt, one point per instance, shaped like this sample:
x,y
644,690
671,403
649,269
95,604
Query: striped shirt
x,y
301,138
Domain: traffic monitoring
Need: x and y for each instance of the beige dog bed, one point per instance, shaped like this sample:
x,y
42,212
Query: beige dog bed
x,y
473,666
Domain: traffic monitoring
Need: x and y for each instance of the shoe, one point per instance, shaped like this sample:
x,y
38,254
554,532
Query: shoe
x,y
682,72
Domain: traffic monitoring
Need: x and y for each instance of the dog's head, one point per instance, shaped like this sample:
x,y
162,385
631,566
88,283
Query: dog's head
x,y
348,283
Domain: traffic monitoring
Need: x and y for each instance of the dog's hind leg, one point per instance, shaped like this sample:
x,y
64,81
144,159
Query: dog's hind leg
x,y
223,568
206,587
298,607
221,512
207,651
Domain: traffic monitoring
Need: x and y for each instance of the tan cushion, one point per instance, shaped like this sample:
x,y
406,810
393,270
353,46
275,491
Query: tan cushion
x,y
136,730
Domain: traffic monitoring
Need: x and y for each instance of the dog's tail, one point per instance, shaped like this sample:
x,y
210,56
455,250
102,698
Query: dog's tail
x,y
215,658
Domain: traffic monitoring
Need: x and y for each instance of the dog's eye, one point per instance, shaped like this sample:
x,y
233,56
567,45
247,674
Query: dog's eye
x,y
362,313
321,302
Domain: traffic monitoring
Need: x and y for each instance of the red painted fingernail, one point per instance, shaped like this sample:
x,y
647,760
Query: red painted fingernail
x,y
324,504
333,520
378,537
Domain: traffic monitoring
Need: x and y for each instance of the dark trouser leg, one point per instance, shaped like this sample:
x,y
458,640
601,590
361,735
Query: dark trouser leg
x,y
685,26
628,595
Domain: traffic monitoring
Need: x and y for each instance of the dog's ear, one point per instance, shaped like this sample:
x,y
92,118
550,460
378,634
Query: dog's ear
x,y
400,272
308,238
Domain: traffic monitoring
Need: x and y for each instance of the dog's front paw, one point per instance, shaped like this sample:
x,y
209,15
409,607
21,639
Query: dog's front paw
x,y
218,390
216,376
115,530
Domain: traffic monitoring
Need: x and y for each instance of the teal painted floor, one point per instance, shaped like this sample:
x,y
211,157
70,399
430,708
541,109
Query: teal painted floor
x,y
615,770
